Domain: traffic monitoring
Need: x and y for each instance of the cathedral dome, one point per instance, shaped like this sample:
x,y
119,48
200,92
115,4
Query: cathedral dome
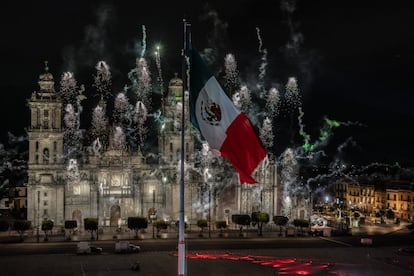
x,y
176,81
46,77
46,82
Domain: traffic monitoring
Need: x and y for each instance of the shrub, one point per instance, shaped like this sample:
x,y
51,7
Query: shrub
x,y
137,223
4,225
91,225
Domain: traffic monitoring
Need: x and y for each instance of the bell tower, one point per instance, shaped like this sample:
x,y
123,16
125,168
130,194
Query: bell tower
x,y
169,141
45,131
45,134
170,131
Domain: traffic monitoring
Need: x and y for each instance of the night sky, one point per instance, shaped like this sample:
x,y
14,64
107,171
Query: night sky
x,y
353,59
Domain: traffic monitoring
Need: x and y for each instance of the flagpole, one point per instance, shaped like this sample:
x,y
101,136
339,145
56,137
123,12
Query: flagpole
x,y
181,241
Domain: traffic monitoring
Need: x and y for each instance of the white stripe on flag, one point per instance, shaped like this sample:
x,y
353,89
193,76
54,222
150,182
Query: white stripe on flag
x,y
212,92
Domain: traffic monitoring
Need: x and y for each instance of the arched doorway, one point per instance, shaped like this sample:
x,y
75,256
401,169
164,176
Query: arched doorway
x,y
77,215
115,216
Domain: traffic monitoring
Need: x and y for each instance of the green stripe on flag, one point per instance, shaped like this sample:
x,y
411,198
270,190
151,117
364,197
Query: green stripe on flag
x,y
199,75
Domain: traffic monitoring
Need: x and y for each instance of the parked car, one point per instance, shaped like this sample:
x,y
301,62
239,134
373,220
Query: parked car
x,y
83,248
134,248
406,250
126,247
96,249
86,248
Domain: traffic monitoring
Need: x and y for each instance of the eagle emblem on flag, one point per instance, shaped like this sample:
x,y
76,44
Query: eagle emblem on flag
x,y
211,112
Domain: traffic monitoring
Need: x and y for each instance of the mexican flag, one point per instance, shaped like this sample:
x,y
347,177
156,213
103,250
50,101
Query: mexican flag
x,y
224,127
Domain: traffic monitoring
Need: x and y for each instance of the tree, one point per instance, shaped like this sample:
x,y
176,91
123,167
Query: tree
x,y
160,225
281,221
177,224
4,225
221,224
47,226
21,226
137,223
241,220
260,218
70,224
91,225
202,223
390,214
301,223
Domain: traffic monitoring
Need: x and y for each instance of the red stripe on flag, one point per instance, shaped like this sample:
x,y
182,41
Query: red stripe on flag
x,y
243,148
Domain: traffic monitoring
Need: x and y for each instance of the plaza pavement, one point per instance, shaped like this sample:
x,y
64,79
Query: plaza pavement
x,y
287,261
305,261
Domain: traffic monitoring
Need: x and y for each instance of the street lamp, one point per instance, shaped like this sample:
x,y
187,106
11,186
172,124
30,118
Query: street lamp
x,y
310,209
261,199
97,210
38,216
153,216
209,213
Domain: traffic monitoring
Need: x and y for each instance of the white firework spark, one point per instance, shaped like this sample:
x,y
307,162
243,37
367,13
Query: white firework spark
x,y
140,117
68,88
244,98
263,64
141,113
292,95
70,117
99,124
273,102
289,175
103,80
266,133
121,106
96,146
144,40
158,63
119,138
231,77
144,87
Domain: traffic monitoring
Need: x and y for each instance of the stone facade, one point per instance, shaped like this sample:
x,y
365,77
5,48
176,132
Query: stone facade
x,y
118,183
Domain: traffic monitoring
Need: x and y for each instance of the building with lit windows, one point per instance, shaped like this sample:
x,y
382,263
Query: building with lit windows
x,y
370,198
400,199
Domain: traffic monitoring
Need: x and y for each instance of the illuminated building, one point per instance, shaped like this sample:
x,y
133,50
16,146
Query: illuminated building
x,y
116,183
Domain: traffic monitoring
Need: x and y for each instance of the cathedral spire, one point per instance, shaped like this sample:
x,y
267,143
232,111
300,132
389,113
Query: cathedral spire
x,y
46,66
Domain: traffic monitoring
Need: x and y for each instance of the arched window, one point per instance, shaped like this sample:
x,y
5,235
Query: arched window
x,y
38,118
53,118
46,118
187,156
178,155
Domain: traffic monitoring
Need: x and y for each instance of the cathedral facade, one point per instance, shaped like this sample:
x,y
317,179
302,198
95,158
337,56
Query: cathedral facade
x,y
114,184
